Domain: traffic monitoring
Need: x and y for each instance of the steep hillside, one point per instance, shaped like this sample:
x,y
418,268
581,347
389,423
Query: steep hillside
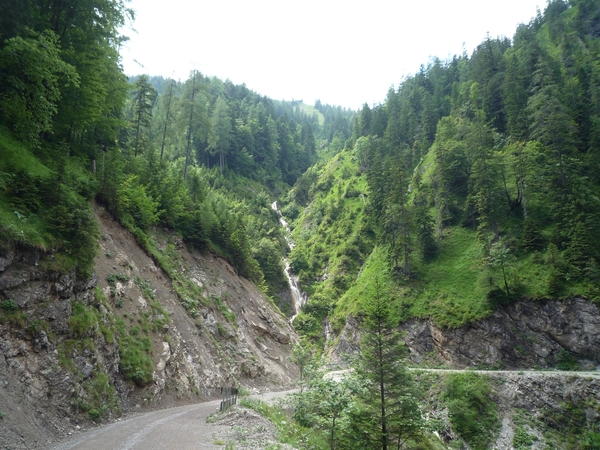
x,y
471,188
80,350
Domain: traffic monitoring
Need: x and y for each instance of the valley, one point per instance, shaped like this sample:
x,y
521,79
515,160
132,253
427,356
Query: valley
x,y
162,238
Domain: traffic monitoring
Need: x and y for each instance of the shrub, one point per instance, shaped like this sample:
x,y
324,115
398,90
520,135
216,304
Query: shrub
x,y
523,440
136,363
8,305
82,320
472,413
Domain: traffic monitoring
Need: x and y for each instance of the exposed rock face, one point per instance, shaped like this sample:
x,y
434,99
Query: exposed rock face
x,y
525,334
47,370
546,399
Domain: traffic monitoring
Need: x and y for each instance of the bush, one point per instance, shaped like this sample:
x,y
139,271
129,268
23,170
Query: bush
x,y
523,440
472,413
591,441
136,363
8,305
135,206
82,320
566,361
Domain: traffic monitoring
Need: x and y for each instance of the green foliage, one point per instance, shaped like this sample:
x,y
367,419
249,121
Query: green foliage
x,y
303,355
9,312
500,256
32,71
100,399
35,211
134,350
591,440
224,309
567,361
472,412
135,206
324,405
289,432
114,277
70,348
83,321
388,412
143,101
475,171
8,306
522,440
571,424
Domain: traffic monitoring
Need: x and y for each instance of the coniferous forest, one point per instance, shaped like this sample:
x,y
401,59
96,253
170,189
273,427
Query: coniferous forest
x,y
155,152
472,185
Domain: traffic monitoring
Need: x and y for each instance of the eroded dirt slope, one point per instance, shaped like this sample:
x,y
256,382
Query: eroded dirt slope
x,y
56,374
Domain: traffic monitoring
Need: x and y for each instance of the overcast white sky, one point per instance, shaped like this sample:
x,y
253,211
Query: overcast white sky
x,y
341,52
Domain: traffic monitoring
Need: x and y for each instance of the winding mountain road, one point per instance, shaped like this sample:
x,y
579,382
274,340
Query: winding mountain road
x,y
185,427
549,373
180,428
338,374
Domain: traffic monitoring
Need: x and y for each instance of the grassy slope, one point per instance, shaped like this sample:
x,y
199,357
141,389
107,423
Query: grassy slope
x,y
310,111
18,226
330,234
453,289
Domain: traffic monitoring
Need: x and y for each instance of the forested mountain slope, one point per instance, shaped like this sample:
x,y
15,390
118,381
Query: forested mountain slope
x,y
140,259
473,185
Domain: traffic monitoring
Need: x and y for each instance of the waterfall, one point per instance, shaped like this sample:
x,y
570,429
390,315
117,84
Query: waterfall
x,y
299,298
328,331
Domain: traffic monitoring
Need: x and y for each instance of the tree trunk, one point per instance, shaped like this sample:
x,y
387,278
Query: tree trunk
x,y
382,389
189,136
164,137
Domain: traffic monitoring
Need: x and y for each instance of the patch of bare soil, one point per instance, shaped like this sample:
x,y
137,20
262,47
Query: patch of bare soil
x,y
246,429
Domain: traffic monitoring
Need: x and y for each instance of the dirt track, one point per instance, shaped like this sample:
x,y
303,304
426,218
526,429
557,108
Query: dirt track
x,y
338,374
181,428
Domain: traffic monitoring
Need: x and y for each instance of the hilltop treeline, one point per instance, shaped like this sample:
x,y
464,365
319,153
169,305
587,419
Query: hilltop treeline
x,y
202,156
505,142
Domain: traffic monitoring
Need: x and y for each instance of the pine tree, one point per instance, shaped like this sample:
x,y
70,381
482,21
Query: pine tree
x,y
193,117
484,177
143,102
221,125
424,226
168,99
397,217
388,413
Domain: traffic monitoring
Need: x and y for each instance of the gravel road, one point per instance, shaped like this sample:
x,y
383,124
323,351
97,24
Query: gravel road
x,y
178,428
185,427
339,374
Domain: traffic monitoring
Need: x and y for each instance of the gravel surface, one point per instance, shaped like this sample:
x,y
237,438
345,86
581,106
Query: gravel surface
x,y
181,428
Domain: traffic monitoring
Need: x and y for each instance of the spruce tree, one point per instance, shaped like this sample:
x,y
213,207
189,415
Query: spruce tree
x,y
143,103
388,413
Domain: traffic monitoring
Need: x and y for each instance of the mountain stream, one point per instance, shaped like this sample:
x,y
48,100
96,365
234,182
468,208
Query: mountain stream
x,y
299,298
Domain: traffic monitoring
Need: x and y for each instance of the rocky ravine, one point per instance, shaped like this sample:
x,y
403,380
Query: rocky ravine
x,y
49,372
522,335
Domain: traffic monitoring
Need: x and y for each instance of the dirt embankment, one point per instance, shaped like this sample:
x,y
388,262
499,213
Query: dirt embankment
x,y
49,374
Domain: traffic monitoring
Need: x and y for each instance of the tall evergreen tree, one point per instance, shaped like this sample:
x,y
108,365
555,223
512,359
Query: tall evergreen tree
x,y
168,117
144,96
388,414
222,130
193,117
484,179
